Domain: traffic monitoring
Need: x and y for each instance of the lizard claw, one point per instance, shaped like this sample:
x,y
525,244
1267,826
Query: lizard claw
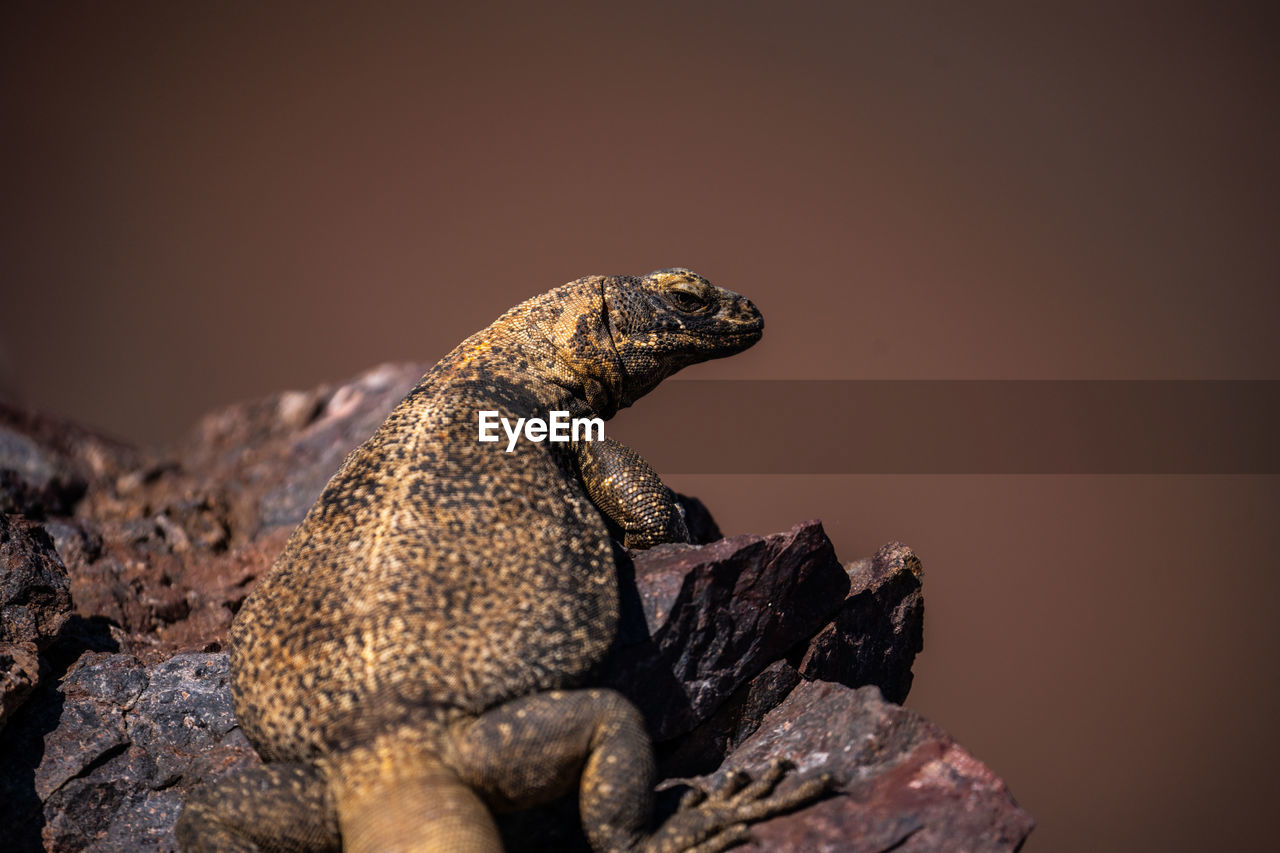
x,y
712,820
691,798
730,784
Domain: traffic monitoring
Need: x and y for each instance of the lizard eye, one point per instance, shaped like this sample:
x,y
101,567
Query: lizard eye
x,y
687,299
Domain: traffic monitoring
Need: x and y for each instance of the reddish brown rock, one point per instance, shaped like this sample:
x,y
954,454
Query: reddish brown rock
x,y
880,627
901,782
873,638
717,615
164,545
272,457
703,749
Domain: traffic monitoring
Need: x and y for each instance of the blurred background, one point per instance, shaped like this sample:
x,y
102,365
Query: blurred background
x,y
204,204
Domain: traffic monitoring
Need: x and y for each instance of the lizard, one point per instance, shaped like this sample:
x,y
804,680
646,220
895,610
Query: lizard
x,y
419,656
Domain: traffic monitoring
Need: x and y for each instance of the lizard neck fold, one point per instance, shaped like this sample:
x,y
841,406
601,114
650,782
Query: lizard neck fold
x,y
570,333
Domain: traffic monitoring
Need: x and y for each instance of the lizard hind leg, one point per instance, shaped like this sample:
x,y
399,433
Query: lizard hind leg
x,y
534,749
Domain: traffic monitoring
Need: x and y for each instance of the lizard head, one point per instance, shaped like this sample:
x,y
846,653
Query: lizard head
x,y
670,319
616,337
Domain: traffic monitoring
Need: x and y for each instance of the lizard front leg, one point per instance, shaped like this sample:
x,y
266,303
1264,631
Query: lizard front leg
x,y
630,493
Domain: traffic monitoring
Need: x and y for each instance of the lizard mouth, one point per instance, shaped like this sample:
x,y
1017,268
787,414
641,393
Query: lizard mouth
x,y
742,336
744,325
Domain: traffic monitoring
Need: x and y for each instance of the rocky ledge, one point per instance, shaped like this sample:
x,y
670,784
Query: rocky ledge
x,y
122,570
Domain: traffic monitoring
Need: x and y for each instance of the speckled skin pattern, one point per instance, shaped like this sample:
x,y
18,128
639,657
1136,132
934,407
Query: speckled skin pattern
x,y
418,655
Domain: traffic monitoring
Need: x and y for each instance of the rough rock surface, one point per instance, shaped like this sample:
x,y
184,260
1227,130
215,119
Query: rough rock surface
x,y
19,674
715,616
879,627
34,596
117,702
105,760
904,784
34,605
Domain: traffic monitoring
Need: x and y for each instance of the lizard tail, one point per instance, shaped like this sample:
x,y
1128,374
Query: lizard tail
x,y
395,798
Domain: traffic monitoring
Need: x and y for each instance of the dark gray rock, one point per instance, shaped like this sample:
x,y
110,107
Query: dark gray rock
x,y
105,760
35,602
35,597
19,674
184,712
46,464
115,680
703,529
175,729
89,729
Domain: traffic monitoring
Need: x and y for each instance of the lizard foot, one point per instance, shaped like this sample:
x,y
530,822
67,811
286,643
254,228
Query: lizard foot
x,y
709,821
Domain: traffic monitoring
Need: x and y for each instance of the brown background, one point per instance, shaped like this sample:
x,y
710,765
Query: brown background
x,y
196,207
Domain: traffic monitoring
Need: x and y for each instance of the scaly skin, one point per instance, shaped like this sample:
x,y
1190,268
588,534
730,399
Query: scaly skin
x,y
417,656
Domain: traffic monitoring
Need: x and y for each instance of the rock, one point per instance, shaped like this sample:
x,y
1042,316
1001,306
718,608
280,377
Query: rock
x,y
282,450
107,758
35,602
717,615
183,713
703,529
46,464
873,639
703,749
19,674
880,627
35,598
901,782
166,544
